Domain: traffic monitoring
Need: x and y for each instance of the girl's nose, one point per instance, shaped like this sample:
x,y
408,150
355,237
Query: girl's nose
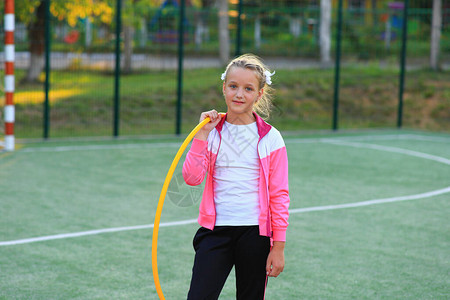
x,y
239,93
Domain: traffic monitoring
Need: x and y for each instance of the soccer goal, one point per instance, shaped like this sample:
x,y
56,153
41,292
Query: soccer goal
x,y
9,112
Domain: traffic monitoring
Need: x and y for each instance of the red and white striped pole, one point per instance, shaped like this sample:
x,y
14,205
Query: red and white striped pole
x,y
9,75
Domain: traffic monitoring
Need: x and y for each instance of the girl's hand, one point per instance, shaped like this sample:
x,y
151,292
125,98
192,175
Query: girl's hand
x,y
275,260
215,117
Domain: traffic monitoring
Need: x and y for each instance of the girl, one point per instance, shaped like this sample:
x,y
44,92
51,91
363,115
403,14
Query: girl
x,y
244,208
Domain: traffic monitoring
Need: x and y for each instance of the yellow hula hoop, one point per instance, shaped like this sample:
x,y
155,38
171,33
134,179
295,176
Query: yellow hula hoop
x,y
161,203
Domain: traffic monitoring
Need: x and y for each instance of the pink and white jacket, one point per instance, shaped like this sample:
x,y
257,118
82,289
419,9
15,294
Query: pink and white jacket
x,y
273,178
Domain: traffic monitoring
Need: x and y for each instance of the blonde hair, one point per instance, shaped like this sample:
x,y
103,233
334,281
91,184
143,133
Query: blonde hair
x,y
252,62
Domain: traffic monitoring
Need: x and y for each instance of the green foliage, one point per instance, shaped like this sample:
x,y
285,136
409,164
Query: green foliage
x,y
362,37
71,10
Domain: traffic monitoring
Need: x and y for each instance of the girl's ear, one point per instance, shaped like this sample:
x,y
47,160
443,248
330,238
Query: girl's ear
x,y
260,93
223,88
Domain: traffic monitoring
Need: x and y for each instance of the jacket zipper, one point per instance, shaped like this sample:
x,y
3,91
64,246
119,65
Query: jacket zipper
x,y
212,177
269,232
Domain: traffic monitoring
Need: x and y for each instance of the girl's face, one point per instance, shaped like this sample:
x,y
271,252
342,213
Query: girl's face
x,y
241,91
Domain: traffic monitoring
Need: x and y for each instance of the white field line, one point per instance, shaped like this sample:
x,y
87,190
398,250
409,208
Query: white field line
x,y
192,221
430,138
99,147
385,137
92,232
389,149
372,202
177,143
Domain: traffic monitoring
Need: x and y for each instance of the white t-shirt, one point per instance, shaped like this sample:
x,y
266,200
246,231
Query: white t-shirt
x,y
236,176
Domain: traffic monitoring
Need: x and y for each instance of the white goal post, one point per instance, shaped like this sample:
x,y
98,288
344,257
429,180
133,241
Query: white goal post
x,y
9,110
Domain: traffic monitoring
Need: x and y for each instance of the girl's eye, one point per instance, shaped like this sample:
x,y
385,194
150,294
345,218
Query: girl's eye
x,y
233,86
249,89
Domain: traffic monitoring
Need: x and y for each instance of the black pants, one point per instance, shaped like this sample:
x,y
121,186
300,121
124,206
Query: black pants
x,y
218,250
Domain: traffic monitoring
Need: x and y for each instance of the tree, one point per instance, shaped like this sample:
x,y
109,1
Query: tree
x,y
36,34
224,35
325,32
33,12
436,25
133,13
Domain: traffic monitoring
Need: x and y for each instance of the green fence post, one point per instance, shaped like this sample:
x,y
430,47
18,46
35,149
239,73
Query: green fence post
x,y
239,30
116,114
402,65
337,67
47,71
180,66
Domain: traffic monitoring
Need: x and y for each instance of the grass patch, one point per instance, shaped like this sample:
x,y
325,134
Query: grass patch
x,y
81,102
386,251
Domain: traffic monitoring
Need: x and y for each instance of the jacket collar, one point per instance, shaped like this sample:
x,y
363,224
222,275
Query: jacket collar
x,y
263,126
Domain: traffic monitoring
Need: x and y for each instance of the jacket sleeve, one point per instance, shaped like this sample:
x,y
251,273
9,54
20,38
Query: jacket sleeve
x,y
279,192
196,163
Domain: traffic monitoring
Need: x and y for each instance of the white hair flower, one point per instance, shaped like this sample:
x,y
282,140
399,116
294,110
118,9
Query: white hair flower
x,y
269,77
224,74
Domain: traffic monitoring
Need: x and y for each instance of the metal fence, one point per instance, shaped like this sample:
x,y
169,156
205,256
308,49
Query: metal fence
x,y
89,96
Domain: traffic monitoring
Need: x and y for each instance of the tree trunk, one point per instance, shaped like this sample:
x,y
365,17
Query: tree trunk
x,y
436,27
36,34
88,38
374,13
128,33
295,26
325,32
224,35
258,31
200,29
143,34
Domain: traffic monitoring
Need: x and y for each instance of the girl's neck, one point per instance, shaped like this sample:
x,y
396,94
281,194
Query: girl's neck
x,y
240,119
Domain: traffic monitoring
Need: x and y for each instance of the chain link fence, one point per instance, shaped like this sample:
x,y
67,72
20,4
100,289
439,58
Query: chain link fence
x,y
82,64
